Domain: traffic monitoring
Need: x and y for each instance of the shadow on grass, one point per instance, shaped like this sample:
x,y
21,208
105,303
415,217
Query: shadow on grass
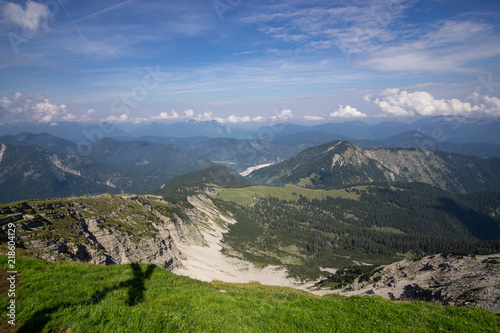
x,y
135,295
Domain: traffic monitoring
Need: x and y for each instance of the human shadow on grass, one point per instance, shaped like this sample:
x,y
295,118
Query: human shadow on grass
x,y
135,295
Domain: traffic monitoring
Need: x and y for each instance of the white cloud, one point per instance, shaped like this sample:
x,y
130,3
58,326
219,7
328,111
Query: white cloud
x,y
46,112
258,119
284,115
366,98
19,108
121,119
206,116
347,112
233,119
165,115
87,117
315,118
30,19
124,118
402,104
492,105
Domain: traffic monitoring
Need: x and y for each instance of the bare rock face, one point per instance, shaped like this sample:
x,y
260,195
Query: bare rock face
x,y
109,229
448,279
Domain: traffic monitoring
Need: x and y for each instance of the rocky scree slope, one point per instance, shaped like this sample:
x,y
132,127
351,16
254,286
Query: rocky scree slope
x,y
448,279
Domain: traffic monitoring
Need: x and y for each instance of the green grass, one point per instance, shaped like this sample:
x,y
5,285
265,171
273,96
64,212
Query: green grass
x,y
248,195
75,297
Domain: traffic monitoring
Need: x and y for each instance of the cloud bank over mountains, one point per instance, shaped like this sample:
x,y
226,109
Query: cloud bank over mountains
x,y
19,108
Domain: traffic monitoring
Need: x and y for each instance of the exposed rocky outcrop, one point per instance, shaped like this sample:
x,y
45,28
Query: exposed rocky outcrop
x,y
449,279
184,237
109,229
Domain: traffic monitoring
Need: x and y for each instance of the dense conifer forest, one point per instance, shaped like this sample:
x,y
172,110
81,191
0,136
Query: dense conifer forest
x,y
384,222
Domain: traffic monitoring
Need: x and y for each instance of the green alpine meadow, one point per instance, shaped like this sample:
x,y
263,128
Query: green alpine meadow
x,y
79,297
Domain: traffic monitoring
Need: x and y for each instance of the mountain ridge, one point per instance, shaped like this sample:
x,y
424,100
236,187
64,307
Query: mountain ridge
x,y
341,163
28,172
202,181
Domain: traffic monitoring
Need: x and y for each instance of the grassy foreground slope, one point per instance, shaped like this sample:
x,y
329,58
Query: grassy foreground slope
x,y
75,297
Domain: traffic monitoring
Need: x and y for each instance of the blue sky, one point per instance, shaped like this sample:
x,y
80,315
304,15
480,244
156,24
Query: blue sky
x,y
247,62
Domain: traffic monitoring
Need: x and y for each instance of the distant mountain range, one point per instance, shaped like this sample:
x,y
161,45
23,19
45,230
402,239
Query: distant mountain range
x,y
28,171
78,132
442,129
42,165
239,154
32,172
415,139
191,128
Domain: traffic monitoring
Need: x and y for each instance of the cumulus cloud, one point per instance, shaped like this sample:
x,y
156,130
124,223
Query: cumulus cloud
x,y
420,103
124,118
18,108
121,119
233,119
258,119
492,105
31,18
46,112
87,117
284,115
207,116
347,112
313,118
165,115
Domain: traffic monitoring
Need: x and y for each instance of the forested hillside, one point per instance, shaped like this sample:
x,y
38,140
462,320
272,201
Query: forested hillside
x,y
200,181
374,224
109,166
